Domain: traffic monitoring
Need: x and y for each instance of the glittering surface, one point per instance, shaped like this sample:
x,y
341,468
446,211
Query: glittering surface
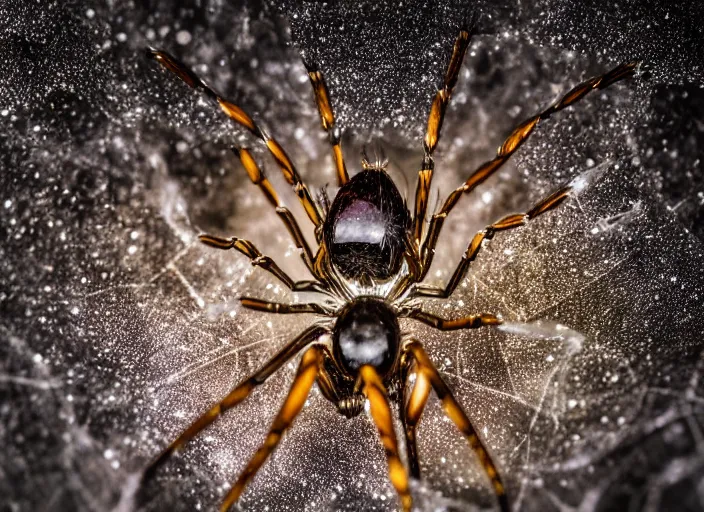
x,y
117,328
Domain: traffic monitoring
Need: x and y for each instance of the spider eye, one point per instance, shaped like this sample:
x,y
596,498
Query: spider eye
x,y
366,333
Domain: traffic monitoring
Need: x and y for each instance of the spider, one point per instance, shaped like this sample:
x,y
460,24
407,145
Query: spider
x,y
372,257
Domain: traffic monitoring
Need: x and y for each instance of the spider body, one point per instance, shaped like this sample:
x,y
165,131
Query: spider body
x,y
365,230
366,333
372,258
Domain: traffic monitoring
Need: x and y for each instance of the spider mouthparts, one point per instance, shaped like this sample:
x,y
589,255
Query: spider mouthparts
x,y
351,406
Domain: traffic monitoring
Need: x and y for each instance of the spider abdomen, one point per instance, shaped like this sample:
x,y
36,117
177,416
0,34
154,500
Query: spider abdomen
x,y
365,230
366,333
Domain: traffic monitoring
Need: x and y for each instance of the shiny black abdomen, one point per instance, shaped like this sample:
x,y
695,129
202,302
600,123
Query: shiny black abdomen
x,y
366,333
366,227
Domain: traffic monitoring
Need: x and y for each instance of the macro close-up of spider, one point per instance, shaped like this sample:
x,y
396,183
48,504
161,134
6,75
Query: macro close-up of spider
x,y
267,256
371,260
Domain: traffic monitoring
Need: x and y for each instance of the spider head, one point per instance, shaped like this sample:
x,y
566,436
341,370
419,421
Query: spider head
x,y
366,333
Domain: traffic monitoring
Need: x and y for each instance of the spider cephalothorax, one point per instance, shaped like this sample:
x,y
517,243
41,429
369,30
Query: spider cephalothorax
x,y
366,332
371,260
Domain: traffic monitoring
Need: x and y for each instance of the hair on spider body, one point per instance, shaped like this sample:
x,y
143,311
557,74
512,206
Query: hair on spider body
x,y
372,258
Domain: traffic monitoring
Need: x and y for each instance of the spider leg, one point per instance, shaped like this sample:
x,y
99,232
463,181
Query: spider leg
x,y
259,260
243,119
432,132
237,395
285,309
444,324
410,277
325,380
327,119
509,222
519,135
412,406
454,411
308,370
323,266
259,178
373,389
331,373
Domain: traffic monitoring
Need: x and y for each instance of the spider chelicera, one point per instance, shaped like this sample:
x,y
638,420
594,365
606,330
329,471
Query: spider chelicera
x,y
373,255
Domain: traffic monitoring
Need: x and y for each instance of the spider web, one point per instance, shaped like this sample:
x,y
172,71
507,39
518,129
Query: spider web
x,y
117,328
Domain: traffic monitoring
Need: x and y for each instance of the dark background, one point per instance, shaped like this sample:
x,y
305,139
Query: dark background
x,y
117,328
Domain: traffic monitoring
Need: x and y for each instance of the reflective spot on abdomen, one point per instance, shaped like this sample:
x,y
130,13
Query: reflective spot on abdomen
x,y
360,222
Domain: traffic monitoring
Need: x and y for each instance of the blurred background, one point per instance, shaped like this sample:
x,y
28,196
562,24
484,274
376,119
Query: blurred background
x,y
117,328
